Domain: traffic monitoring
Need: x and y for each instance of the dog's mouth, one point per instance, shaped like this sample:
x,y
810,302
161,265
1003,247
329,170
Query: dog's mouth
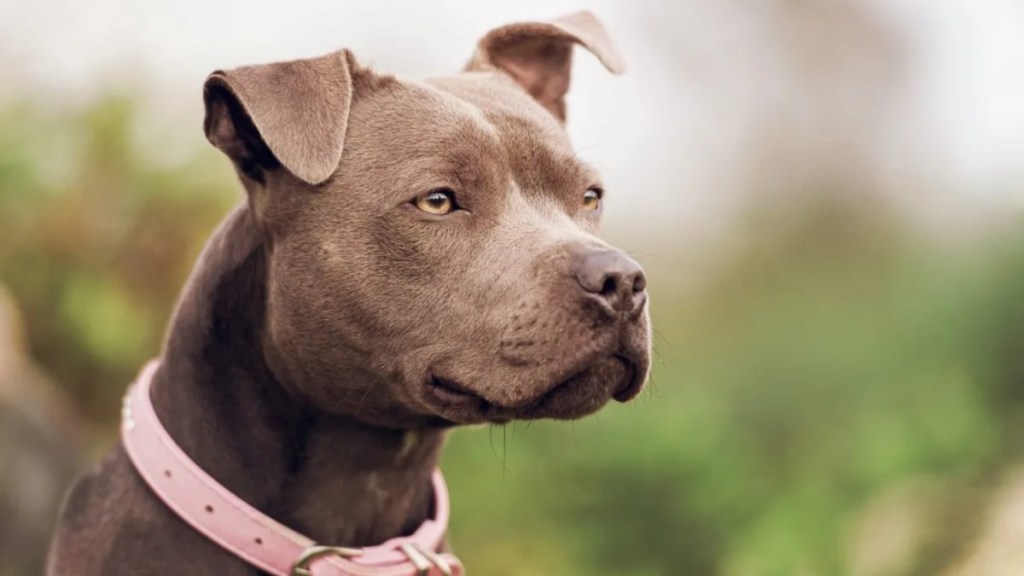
x,y
583,392
448,392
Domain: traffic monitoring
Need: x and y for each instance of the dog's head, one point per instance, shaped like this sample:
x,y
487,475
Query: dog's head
x,y
431,245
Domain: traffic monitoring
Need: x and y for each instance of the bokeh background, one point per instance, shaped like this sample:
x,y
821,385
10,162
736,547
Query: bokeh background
x,y
827,196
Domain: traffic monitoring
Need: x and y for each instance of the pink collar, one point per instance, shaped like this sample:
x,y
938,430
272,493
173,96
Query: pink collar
x,y
251,535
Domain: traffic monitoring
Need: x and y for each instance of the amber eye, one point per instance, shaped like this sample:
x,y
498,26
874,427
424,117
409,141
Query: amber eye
x,y
438,202
592,198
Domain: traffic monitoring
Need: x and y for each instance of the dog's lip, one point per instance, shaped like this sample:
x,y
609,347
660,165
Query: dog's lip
x,y
450,391
455,401
634,380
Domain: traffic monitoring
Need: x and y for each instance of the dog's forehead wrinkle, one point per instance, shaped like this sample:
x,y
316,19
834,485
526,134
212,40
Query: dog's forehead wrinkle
x,y
471,109
530,146
504,103
496,91
456,106
416,111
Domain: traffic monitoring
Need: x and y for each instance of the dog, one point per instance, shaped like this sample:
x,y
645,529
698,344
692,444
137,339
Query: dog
x,y
410,256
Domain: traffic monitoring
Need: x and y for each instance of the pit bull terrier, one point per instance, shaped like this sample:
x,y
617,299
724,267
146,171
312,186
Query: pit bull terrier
x,y
411,256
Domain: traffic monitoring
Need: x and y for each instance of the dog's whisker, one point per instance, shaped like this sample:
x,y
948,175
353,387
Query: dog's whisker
x,y
504,452
490,440
362,400
651,391
494,451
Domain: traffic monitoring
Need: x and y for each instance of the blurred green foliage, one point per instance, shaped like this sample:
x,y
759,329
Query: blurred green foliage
x,y
829,354
96,239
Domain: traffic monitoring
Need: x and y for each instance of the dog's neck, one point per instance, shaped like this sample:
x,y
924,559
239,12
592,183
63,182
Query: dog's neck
x,y
330,477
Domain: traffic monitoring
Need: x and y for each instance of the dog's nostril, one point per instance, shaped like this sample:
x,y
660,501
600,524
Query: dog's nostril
x,y
639,282
609,288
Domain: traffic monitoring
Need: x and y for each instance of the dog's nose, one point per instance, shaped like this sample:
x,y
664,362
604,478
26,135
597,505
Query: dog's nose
x,y
614,277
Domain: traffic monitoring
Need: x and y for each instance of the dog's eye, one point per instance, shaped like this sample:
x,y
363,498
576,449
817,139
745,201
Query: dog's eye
x,y
592,198
438,202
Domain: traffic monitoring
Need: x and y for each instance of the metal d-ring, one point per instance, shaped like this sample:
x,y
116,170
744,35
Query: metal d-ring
x,y
424,560
301,566
438,560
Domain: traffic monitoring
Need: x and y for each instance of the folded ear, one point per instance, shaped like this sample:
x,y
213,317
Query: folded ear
x,y
538,55
290,114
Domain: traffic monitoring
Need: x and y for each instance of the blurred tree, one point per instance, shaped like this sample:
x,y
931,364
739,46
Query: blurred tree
x,y
96,240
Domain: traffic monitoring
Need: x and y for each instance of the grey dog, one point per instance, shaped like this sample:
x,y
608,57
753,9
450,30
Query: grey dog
x,y
411,256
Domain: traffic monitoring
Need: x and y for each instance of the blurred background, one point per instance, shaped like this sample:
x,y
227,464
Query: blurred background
x,y
827,196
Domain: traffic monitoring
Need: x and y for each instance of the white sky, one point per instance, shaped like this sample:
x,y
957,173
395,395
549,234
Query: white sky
x,y
973,82
667,162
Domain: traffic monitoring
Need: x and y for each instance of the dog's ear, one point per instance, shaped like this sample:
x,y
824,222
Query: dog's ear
x,y
538,55
290,114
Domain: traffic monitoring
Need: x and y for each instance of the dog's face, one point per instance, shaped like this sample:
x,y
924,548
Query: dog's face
x,y
431,245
